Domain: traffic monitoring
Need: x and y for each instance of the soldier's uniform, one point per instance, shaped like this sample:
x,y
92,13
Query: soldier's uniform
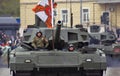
x,y
39,42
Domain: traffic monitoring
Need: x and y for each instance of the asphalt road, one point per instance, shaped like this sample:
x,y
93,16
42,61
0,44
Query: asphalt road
x,y
112,70
5,72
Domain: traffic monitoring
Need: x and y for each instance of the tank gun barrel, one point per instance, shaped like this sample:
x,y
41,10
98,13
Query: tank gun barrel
x,y
57,33
57,42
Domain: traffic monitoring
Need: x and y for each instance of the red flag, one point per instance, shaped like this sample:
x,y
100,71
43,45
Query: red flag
x,y
44,11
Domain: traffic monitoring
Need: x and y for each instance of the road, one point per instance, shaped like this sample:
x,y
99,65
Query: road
x,y
4,72
111,71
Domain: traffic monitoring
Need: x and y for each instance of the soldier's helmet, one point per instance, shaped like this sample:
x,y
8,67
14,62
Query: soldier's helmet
x,y
38,33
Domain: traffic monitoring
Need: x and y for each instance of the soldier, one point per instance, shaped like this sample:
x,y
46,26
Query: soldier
x,y
39,41
71,47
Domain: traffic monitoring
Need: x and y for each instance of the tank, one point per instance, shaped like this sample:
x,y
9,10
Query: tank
x,y
102,39
57,59
106,41
99,35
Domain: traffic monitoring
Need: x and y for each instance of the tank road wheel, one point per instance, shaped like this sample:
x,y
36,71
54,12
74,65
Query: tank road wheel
x,y
22,73
93,72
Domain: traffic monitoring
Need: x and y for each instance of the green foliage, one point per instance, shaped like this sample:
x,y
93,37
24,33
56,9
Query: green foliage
x,y
10,7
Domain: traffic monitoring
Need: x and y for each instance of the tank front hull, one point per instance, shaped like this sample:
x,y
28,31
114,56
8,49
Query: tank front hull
x,y
31,60
30,67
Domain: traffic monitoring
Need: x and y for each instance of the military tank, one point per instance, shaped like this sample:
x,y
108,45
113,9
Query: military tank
x,y
106,41
58,59
99,35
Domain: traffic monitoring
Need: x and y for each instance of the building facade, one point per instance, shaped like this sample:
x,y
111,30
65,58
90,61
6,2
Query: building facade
x,y
84,12
9,26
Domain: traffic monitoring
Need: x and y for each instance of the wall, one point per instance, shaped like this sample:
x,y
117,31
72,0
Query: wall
x,y
96,10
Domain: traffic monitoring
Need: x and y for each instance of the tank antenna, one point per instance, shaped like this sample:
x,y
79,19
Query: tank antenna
x,y
53,47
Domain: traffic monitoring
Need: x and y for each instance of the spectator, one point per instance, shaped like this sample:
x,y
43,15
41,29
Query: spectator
x,y
17,41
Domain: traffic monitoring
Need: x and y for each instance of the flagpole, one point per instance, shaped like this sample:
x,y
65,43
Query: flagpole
x,y
52,1
53,32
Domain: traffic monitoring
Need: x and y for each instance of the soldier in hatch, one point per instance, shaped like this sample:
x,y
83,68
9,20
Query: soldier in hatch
x,y
39,42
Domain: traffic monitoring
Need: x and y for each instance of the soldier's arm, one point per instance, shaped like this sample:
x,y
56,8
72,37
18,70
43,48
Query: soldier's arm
x,y
34,43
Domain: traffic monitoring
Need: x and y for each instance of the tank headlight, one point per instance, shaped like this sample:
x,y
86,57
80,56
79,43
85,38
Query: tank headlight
x,y
88,60
28,61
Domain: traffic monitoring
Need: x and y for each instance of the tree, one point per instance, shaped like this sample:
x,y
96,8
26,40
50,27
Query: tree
x,y
10,7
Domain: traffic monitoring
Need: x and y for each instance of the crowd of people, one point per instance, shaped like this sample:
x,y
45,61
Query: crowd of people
x,y
7,40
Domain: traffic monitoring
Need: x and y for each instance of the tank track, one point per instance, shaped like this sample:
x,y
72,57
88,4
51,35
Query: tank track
x,y
59,72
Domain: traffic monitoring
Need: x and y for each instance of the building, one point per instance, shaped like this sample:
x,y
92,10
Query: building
x,y
84,12
9,26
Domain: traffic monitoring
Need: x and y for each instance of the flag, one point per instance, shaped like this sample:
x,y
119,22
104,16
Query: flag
x,y
44,11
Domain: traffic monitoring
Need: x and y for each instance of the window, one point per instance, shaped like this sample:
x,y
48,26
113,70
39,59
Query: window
x,y
105,18
65,16
72,36
85,15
